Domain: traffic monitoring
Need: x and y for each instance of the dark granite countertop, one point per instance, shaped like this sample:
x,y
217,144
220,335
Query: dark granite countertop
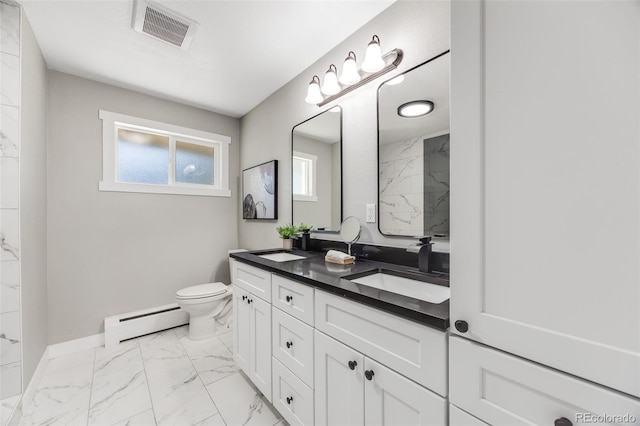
x,y
314,271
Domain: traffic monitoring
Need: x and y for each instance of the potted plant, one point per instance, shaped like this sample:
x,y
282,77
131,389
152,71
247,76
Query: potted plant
x,y
286,231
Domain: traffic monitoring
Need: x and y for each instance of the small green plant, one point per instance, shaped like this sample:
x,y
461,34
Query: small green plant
x,y
286,231
303,226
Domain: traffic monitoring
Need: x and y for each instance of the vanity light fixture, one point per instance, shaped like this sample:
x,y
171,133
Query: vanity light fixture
x,y
330,85
352,77
313,93
373,56
350,73
415,109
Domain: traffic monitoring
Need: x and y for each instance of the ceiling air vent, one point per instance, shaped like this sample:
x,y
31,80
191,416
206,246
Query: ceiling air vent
x,y
162,24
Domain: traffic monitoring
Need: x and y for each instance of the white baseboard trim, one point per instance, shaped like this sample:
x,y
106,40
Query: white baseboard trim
x,y
77,345
38,374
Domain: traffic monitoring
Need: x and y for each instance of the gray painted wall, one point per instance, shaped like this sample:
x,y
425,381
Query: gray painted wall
x,y
421,30
113,252
33,202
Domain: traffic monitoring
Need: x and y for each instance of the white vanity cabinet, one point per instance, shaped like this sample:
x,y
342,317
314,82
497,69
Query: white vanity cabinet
x,y
457,417
326,360
252,324
356,390
544,212
352,386
293,350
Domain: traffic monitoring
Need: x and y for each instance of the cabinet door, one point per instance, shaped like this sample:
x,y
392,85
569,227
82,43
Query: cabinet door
x,y
260,331
241,329
339,392
391,399
545,191
457,417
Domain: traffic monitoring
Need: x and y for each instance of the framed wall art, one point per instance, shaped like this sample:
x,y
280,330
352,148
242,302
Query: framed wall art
x,y
260,191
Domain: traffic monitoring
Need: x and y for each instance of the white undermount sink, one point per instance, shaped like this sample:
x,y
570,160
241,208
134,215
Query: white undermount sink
x,y
281,257
432,293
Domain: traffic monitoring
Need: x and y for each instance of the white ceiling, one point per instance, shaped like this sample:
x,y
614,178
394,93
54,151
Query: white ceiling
x,y
243,51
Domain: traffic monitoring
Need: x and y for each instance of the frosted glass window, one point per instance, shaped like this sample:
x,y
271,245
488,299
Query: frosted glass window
x,y
194,163
142,157
146,156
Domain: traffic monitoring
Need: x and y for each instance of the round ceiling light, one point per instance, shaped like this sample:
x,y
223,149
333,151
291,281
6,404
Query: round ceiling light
x,y
415,109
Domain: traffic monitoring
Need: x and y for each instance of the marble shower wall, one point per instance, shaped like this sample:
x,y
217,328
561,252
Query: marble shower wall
x,y
414,186
401,187
10,323
436,185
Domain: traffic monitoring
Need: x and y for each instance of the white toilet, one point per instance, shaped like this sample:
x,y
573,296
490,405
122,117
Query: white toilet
x,y
205,303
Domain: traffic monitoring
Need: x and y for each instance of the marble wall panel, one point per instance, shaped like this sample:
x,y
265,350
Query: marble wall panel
x,y
10,314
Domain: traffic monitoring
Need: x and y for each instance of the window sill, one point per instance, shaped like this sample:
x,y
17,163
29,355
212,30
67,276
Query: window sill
x,y
162,189
304,198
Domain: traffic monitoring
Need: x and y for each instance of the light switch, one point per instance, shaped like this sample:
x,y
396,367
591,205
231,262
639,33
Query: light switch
x,y
371,213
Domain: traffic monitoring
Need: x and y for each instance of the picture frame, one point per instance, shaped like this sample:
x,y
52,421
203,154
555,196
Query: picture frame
x,y
260,191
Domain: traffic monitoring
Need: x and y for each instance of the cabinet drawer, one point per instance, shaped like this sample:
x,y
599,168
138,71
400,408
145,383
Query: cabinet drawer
x,y
252,279
457,417
293,298
291,397
415,351
293,345
502,389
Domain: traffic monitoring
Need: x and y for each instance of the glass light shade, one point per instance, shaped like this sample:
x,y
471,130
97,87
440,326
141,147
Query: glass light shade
x,y
313,92
330,85
350,73
415,109
373,61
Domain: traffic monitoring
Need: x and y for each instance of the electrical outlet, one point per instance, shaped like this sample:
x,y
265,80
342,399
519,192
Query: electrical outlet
x,y
371,213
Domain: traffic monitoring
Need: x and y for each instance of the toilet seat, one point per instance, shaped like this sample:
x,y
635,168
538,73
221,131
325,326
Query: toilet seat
x,y
202,291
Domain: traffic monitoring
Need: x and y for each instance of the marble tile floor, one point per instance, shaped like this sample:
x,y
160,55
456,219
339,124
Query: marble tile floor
x,y
6,408
159,379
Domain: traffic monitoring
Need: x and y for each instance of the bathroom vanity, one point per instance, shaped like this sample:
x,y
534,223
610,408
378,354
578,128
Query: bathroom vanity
x,y
325,349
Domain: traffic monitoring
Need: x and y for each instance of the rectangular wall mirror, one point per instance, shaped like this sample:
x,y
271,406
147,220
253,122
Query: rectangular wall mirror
x,y
316,166
413,151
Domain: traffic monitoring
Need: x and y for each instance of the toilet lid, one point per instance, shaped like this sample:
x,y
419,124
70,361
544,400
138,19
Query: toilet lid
x,y
202,290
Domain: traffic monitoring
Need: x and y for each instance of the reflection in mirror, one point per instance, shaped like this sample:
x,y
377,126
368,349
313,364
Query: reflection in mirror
x,y
317,171
413,151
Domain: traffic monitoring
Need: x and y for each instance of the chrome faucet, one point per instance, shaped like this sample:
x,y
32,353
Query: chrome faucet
x,y
423,248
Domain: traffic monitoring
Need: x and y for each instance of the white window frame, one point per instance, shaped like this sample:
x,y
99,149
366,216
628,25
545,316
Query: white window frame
x,y
112,121
311,185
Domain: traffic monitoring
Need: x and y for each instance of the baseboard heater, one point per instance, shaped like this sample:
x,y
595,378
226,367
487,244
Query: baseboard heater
x,y
118,328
